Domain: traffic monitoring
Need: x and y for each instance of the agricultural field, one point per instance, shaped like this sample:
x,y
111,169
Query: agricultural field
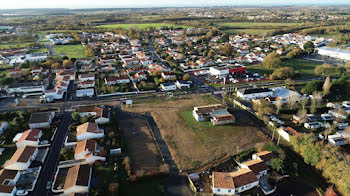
x,y
303,66
140,25
181,132
72,51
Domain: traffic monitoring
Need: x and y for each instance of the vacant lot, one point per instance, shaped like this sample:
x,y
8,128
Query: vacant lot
x,y
146,159
71,51
140,25
194,144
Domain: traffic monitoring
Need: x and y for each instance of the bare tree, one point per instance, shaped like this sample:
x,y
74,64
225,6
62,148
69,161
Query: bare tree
x,y
292,100
316,100
327,86
302,114
279,103
303,102
329,131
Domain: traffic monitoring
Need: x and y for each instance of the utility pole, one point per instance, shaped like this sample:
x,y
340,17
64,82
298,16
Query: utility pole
x,y
273,134
278,142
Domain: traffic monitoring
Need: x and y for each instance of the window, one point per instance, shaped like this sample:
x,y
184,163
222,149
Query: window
x,y
218,190
229,191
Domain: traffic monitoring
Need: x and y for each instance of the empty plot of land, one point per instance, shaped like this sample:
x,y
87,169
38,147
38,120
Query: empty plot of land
x,y
194,144
141,146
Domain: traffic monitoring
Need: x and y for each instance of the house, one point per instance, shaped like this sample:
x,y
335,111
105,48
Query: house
x,y
117,80
287,132
233,183
65,73
254,93
15,72
29,138
168,86
8,180
222,119
41,119
203,113
89,131
227,70
78,180
259,167
55,93
336,140
89,92
312,125
3,127
22,158
86,84
168,76
89,151
182,84
101,114
87,77
27,87
265,156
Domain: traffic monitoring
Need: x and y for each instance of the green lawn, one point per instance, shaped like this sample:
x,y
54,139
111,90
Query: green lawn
x,y
14,45
41,50
304,67
72,51
141,25
7,154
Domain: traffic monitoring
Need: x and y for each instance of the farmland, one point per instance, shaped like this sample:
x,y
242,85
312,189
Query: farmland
x,y
181,132
72,51
140,25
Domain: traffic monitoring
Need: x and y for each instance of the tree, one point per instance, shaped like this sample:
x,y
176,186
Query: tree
x,y
347,65
312,86
113,187
282,73
316,101
302,114
211,54
325,69
89,52
186,77
55,65
278,165
263,107
227,49
67,63
272,61
292,100
309,45
76,117
327,86
279,104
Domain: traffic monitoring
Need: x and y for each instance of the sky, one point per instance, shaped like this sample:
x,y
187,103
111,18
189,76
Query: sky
x,y
76,4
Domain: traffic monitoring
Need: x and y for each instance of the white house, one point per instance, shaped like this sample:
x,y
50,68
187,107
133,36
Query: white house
x,y
89,131
86,77
259,167
336,140
41,119
233,183
22,158
117,80
3,127
86,84
254,93
8,180
182,84
89,92
168,86
29,138
287,132
55,93
101,114
77,180
89,151
168,76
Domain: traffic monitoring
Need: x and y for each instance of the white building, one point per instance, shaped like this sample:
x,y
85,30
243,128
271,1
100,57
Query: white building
x,y
8,180
168,86
233,183
29,138
89,151
336,140
180,84
334,53
254,93
22,158
41,119
89,92
89,131
259,167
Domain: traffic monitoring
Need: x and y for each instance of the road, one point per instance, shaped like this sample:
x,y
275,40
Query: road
x,y
50,165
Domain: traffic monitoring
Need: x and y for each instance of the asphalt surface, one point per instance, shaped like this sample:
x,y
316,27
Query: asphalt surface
x,y
48,171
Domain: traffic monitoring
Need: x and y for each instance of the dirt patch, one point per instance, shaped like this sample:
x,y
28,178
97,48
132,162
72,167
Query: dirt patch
x,y
145,156
195,146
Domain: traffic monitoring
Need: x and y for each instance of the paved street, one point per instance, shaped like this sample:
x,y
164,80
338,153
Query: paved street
x,y
52,158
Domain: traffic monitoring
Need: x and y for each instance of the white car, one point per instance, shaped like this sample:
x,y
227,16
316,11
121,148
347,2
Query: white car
x,y
22,192
313,125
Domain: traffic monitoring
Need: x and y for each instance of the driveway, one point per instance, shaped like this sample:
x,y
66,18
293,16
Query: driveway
x,y
49,168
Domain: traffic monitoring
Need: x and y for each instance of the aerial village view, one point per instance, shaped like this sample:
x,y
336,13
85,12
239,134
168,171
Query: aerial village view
x,y
175,98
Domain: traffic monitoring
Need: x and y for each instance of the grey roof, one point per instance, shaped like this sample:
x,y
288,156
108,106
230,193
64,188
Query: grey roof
x,y
254,90
40,117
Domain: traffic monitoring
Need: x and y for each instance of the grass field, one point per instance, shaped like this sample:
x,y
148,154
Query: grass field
x,y
14,45
41,50
147,187
140,25
260,32
256,24
304,67
72,51
207,143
